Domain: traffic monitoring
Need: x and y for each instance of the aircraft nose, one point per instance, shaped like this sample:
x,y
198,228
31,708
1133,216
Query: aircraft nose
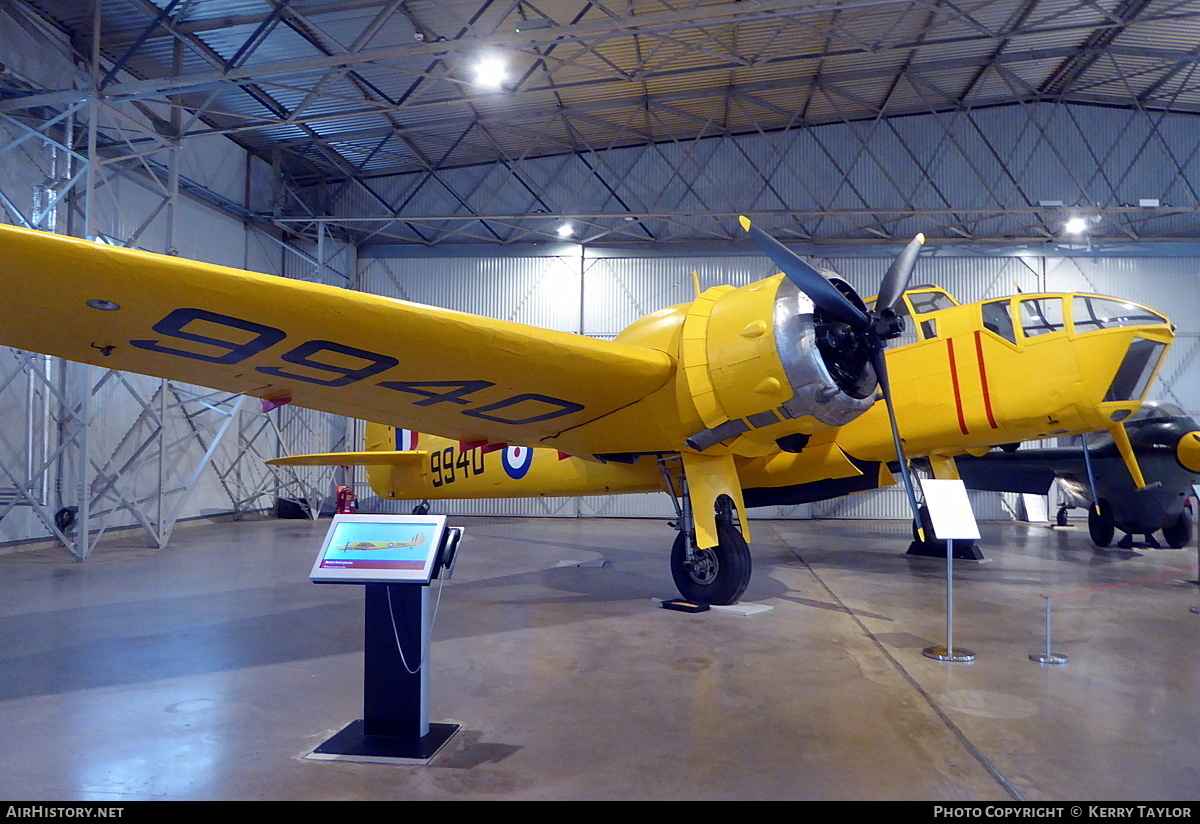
x,y
1187,452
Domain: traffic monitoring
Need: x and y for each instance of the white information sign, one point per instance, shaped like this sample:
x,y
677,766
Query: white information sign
x,y
950,510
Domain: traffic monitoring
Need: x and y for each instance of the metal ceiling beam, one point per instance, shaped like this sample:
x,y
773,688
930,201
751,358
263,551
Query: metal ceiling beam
x,y
582,32
436,124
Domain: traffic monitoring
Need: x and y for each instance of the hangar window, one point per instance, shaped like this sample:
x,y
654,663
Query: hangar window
x,y
996,319
1041,316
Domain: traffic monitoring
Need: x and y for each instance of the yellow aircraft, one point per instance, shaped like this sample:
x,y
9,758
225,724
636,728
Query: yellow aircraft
x,y
750,396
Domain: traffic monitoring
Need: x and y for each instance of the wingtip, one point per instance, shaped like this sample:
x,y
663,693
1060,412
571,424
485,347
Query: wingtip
x,y
745,221
921,238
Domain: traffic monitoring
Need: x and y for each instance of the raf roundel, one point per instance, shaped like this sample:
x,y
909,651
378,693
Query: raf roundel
x,y
517,460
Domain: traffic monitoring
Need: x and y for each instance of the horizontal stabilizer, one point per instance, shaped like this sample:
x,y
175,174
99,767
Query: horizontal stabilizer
x,y
351,459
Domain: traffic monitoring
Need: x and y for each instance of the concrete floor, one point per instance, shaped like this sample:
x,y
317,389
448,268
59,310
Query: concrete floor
x,y
209,670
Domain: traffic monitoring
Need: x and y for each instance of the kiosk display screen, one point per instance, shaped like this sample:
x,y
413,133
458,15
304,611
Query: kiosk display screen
x,y
379,549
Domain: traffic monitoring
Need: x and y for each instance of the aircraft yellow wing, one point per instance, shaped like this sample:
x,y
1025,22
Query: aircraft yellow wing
x,y
417,367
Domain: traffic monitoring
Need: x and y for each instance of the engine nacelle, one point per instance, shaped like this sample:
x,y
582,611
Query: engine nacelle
x,y
759,355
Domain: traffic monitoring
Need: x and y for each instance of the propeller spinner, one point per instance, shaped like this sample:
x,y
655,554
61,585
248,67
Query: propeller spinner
x,y
865,330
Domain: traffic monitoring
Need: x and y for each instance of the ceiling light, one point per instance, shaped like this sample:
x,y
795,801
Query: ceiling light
x,y
566,230
491,71
1076,226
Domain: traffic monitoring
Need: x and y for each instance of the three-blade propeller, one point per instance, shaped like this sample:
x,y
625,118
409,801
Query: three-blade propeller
x,y
872,328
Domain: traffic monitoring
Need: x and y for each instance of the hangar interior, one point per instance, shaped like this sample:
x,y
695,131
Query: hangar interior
x,y
568,164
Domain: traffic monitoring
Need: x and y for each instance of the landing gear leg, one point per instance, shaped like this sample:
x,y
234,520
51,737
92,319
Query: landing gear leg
x,y
711,575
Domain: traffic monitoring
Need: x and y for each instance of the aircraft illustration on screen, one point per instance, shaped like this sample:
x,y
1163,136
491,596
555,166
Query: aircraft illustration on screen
x,y
778,392
367,546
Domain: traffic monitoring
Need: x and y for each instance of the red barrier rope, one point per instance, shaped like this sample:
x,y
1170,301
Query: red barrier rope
x,y
1123,583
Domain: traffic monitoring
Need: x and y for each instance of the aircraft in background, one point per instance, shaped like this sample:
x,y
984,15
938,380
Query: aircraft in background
x,y
1166,443
751,396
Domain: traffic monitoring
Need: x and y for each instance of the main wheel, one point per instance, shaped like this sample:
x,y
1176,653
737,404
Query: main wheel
x,y
714,576
1101,525
1179,534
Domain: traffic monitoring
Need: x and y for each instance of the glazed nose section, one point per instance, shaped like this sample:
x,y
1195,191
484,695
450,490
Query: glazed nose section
x,y
1187,452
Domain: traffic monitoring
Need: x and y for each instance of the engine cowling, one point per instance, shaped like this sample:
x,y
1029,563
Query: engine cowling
x,y
760,356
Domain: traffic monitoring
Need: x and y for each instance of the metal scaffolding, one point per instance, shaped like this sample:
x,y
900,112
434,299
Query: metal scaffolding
x,y
101,449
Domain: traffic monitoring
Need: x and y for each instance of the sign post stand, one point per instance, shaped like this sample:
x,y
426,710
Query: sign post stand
x,y
952,518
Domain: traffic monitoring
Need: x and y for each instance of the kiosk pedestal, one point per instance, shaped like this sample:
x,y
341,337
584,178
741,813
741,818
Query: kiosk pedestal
x,y
394,559
395,725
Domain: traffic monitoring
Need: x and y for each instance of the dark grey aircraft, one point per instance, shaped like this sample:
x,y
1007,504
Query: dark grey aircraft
x,y
1166,443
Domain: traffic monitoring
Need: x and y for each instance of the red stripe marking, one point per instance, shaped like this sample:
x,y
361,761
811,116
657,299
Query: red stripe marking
x,y
962,421
987,398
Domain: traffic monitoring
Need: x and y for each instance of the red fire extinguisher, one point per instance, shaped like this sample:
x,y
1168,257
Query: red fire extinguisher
x,y
346,502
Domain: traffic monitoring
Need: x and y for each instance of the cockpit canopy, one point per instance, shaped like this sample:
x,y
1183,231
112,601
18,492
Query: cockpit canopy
x,y
1045,315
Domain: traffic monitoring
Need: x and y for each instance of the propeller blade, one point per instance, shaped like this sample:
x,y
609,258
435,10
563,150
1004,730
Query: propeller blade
x,y
898,274
823,294
879,362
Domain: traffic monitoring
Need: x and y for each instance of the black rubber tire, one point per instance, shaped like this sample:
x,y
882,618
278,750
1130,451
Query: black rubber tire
x,y
1179,534
724,572
1101,525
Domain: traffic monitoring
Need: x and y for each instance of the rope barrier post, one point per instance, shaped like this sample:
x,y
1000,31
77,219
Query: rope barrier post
x,y
1047,657
1197,581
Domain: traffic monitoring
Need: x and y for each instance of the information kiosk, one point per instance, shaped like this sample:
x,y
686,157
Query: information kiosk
x,y
395,557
